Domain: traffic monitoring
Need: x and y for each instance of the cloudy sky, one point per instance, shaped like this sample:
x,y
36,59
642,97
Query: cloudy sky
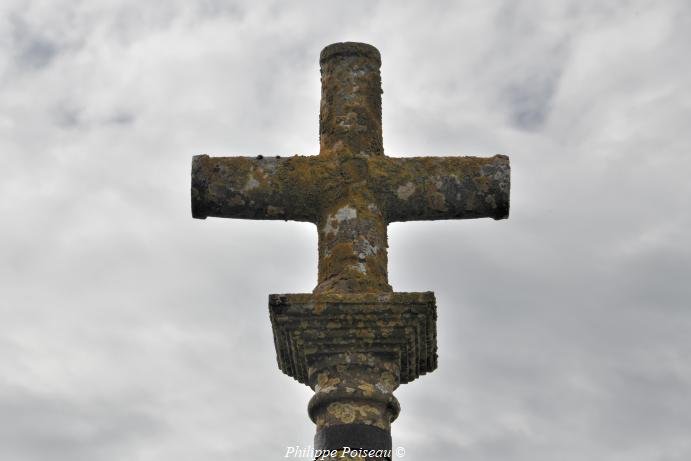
x,y
130,331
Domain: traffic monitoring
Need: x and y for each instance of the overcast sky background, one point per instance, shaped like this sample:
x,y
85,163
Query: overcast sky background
x,y
130,331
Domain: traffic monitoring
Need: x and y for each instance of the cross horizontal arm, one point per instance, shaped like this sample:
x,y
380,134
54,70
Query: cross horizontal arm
x,y
254,188
430,188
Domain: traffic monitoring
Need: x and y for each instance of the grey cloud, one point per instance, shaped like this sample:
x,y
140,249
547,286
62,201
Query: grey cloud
x,y
68,117
36,426
122,118
31,50
220,8
36,53
530,102
534,55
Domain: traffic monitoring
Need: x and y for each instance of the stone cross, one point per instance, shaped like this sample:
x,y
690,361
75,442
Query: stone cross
x,y
352,340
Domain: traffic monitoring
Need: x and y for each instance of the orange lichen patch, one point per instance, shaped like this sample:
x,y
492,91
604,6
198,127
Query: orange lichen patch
x,y
343,412
435,199
326,384
342,257
364,333
483,183
319,307
350,412
275,211
389,381
367,389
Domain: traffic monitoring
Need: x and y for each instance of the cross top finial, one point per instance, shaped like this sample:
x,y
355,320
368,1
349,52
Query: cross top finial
x,y
350,111
364,50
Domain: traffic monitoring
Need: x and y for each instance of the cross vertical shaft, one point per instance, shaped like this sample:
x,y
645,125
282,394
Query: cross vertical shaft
x,y
352,231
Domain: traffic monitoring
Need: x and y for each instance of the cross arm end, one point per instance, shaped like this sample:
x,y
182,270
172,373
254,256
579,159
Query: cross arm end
x,y
249,188
432,188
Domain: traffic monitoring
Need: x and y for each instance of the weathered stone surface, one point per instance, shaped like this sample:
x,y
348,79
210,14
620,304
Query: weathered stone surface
x,y
351,190
353,340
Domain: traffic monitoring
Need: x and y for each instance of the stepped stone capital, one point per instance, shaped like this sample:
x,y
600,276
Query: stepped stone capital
x,y
309,328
